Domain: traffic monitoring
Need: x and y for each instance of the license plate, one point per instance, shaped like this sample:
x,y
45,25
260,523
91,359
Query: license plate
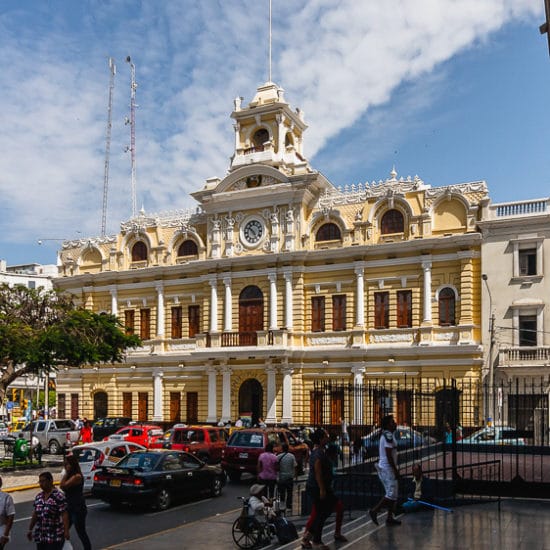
x,y
115,483
243,455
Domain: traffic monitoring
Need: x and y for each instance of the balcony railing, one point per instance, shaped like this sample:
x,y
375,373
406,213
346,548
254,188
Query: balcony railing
x,y
240,339
524,356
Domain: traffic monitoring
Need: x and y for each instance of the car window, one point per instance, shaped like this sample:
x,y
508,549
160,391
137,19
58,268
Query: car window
x,y
136,432
110,423
403,435
178,436
133,448
171,462
124,432
213,435
273,437
40,427
118,452
247,439
87,455
143,461
508,434
189,462
156,432
99,423
224,436
488,435
64,424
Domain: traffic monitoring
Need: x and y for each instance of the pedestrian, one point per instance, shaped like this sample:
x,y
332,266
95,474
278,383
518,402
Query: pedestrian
x,y
86,432
239,423
319,489
387,472
345,434
72,484
267,469
49,526
261,423
287,467
6,516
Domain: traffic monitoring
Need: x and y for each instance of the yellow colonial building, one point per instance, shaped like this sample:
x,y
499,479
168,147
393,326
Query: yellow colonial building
x,y
279,281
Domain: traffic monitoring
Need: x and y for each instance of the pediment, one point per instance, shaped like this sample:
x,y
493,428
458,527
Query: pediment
x,y
251,177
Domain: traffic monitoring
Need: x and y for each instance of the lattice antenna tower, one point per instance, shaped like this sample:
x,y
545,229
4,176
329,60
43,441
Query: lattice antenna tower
x,y
112,68
132,122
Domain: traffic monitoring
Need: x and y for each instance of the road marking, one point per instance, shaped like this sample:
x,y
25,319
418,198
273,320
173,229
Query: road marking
x,y
153,514
88,506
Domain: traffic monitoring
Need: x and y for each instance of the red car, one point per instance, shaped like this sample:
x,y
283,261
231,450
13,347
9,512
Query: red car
x,y
142,434
245,446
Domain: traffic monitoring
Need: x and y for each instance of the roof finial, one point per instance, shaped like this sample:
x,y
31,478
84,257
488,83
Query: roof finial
x,y
393,173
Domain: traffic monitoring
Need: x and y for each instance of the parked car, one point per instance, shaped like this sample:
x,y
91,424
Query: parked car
x,y
104,427
17,425
53,435
245,446
405,436
102,453
156,478
142,434
205,442
494,435
4,431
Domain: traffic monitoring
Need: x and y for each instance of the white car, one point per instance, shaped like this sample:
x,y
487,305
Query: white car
x,y
101,453
494,435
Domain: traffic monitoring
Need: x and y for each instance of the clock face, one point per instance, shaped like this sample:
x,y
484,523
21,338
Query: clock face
x,y
253,231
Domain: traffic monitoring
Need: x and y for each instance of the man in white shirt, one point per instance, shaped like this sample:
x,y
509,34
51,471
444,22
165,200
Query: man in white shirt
x,y
387,471
7,515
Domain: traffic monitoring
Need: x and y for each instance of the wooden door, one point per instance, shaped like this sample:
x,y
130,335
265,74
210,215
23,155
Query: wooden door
x,y
175,407
192,407
143,406
127,404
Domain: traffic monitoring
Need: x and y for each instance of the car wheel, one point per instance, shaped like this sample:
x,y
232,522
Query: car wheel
x,y
216,487
163,500
234,476
54,447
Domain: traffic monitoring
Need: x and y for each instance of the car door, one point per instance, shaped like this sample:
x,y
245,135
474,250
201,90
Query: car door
x,y
174,476
194,475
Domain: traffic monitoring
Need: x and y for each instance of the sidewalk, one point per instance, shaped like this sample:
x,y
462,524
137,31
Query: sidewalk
x,y
20,480
517,524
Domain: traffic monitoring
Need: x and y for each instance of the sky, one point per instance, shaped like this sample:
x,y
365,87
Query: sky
x,y
453,91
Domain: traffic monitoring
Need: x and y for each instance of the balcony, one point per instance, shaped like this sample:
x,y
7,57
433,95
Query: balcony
x,y
242,339
524,356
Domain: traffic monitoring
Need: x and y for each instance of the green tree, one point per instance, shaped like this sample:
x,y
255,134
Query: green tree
x,y
41,331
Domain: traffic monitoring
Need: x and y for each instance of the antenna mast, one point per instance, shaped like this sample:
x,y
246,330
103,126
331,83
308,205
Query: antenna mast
x,y
269,79
112,68
132,123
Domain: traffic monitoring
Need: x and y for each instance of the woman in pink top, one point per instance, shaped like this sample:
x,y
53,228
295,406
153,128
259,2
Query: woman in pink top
x,y
267,469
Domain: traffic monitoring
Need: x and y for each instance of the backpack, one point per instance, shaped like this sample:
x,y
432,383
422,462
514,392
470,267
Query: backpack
x,y
285,530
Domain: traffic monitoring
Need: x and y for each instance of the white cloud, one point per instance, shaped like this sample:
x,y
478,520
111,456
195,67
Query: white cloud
x,y
336,60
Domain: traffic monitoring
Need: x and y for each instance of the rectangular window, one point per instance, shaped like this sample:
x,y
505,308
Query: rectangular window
x,y
404,308
145,324
31,284
194,318
143,406
61,405
192,398
339,312
127,404
528,261
129,321
176,322
336,406
75,412
175,406
527,330
316,408
318,314
381,310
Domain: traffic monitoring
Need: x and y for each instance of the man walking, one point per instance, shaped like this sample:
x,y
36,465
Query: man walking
x,y
287,472
387,472
7,515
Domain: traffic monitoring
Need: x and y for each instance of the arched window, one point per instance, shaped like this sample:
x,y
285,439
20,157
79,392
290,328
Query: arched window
x,y
447,307
260,137
139,252
328,232
392,222
188,248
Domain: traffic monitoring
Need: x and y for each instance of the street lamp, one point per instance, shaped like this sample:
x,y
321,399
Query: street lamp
x,y
491,384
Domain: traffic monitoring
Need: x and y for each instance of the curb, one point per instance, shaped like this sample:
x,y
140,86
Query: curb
x,y
24,487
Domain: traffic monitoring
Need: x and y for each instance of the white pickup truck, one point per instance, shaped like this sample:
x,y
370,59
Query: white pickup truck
x,y
53,435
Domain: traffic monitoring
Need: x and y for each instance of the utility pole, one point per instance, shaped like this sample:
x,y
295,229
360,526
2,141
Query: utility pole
x,y
132,122
545,27
490,405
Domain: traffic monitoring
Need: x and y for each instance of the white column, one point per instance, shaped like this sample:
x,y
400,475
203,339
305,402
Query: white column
x,y
289,313
157,395
515,259
272,301
237,127
358,394
360,297
287,394
427,268
213,305
114,301
160,310
226,393
515,326
212,395
228,313
271,417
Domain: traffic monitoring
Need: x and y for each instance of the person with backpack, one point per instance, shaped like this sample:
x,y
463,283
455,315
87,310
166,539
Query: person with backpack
x,y
287,468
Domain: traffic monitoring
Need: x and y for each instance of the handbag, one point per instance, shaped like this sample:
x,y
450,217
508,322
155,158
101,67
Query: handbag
x,y
67,545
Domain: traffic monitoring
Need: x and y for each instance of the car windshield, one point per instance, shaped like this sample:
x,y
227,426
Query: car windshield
x,y
140,461
247,439
87,455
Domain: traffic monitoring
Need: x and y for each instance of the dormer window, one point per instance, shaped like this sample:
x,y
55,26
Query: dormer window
x,y
260,137
139,252
328,232
188,248
392,222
